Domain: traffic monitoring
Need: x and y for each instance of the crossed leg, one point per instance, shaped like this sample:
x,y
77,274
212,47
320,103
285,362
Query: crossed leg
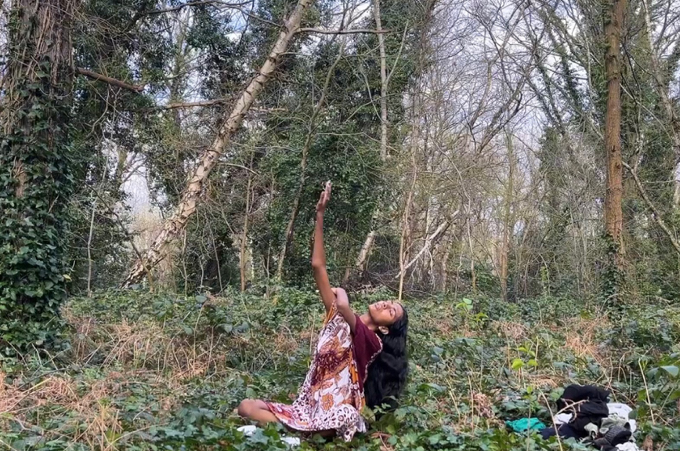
x,y
256,410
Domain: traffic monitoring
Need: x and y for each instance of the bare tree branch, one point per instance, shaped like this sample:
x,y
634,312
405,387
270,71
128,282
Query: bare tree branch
x,y
109,80
204,103
655,213
196,3
428,243
351,31
155,12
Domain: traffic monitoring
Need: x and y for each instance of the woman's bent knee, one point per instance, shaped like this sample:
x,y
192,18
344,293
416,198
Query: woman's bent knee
x,y
246,407
249,407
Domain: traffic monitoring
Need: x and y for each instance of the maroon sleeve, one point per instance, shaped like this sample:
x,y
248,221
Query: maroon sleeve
x,y
367,346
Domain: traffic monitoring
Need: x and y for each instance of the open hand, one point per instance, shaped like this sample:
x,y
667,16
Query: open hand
x,y
324,198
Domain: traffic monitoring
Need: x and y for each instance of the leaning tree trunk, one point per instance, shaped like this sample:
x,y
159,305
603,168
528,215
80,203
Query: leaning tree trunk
x,y
613,214
36,167
174,226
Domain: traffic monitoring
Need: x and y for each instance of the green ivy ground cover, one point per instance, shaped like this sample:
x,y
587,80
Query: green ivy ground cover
x,y
161,372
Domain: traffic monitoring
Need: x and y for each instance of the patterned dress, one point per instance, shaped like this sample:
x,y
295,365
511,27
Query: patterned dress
x,y
332,395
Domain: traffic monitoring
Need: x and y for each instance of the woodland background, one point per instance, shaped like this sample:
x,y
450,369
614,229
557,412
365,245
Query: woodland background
x,y
487,158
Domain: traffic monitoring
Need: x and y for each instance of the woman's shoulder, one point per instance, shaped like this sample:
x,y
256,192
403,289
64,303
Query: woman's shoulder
x,y
364,334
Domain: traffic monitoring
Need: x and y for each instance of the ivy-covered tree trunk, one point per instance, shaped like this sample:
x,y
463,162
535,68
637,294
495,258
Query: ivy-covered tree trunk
x,y
35,170
362,258
613,215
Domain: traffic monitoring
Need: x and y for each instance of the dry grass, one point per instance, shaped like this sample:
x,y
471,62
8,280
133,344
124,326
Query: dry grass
x,y
285,342
545,380
480,412
92,420
510,330
482,404
444,327
581,338
123,353
141,345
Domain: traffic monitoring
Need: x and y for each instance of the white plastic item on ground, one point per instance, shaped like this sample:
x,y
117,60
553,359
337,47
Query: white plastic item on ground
x,y
291,441
247,430
629,446
250,430
562,418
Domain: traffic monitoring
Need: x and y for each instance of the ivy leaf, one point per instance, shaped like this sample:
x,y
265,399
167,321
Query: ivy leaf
x,y
434,439
672,370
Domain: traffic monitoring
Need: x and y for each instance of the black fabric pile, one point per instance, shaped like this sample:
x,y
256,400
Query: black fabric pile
x,y
617,435
587,404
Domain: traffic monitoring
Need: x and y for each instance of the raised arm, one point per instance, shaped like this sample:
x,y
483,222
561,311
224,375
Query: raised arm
x,y
342,303
328,294
318,253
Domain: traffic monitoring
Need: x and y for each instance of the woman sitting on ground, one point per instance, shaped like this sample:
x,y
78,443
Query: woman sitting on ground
x,y
359,360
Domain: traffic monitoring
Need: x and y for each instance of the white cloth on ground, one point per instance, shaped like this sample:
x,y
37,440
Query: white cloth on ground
x,y
623,411
617,408
628,446
250,430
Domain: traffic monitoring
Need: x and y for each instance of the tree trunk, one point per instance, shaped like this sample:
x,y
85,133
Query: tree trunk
x,y
508,221
89,249
473,273
244,235
404,242
383,80
36,165
186,208
362,258
613,215
406,233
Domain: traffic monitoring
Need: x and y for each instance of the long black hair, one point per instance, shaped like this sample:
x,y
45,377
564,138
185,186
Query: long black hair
x,y
387,374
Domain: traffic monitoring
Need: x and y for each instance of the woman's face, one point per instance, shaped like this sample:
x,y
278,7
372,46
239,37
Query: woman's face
x,y
385,313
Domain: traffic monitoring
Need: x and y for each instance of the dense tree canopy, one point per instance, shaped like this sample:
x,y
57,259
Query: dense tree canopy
x,y
466,143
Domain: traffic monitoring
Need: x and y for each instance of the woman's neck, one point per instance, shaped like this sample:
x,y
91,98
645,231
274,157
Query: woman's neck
x,y
368,321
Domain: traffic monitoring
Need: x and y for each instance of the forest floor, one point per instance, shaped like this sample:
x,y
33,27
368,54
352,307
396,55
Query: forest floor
x,y
162,372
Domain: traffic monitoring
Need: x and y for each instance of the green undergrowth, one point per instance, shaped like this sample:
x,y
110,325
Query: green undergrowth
x,y
160,372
